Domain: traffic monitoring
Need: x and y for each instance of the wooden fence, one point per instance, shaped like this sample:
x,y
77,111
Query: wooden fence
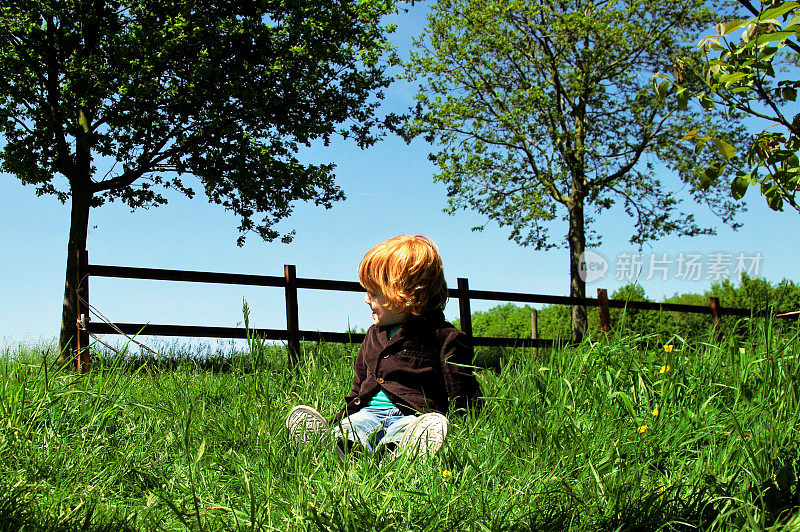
x,y
293,335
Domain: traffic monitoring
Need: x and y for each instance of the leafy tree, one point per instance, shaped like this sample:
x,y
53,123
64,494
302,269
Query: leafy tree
x,y
687,325
653,327
554,322
743,69
505,321
512,321
751,293
632,319
759,295
544,110
104,100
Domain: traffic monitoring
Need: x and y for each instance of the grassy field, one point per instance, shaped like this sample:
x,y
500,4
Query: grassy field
x,y
614,434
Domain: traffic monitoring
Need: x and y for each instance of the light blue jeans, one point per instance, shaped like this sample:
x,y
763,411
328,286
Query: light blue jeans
x,y
371,427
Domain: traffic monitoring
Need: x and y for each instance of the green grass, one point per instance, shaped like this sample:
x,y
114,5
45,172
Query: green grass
x,y
175,444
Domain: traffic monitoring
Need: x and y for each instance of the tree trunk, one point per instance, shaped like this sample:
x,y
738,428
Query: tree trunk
x,y
79,223
80,183
576,237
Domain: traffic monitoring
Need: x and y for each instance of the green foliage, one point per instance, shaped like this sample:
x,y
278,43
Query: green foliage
x,y
224,92
554,322
504,321
509,321
639,322
542,111
651,328
693,327
603,436
520,96
122,99
745,68
513,321
758,294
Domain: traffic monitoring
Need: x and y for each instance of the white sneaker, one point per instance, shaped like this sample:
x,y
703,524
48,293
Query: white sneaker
x,y
304,424
425,435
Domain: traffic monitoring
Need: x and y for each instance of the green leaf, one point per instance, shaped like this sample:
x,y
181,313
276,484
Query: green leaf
x,y
772,37
739,186
662,89
690,135
699,144
730,79
725,149
776,12
683,97
710,175
733,26
789,93
706,102
775,201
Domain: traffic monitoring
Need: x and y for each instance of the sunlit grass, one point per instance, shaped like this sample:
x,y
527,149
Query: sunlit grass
x,y
604,436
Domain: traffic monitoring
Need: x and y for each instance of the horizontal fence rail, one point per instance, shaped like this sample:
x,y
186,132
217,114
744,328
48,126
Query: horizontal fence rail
x,y
293,335
126,272
203,331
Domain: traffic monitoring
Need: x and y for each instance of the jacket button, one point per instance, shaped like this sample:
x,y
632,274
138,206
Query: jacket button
x,y
380,380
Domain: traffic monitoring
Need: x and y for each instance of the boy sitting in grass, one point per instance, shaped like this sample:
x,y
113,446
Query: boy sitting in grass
x,y
411,368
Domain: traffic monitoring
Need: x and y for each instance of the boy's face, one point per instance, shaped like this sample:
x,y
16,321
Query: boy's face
x,y
381,314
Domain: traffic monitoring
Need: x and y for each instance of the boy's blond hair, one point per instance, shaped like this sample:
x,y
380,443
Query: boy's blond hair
x,y
407,270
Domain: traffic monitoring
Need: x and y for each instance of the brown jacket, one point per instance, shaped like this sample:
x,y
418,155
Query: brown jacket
x,y
424,367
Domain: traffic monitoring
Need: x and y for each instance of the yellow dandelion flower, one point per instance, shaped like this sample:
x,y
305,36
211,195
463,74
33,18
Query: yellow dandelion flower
x,y
641,429
664,369
668,348
447,474
655,412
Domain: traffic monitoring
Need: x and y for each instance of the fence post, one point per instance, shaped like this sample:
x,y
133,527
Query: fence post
x,y
463,306
714,302
292,320
602,310
82,311
535,329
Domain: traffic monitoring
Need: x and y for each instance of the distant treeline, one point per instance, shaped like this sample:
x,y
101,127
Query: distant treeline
x,y
514,321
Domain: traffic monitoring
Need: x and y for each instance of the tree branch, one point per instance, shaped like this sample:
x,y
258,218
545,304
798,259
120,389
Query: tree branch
x,y
145,163
63,162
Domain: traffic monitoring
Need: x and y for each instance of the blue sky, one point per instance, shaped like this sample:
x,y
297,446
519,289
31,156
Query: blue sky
x,y
390,190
